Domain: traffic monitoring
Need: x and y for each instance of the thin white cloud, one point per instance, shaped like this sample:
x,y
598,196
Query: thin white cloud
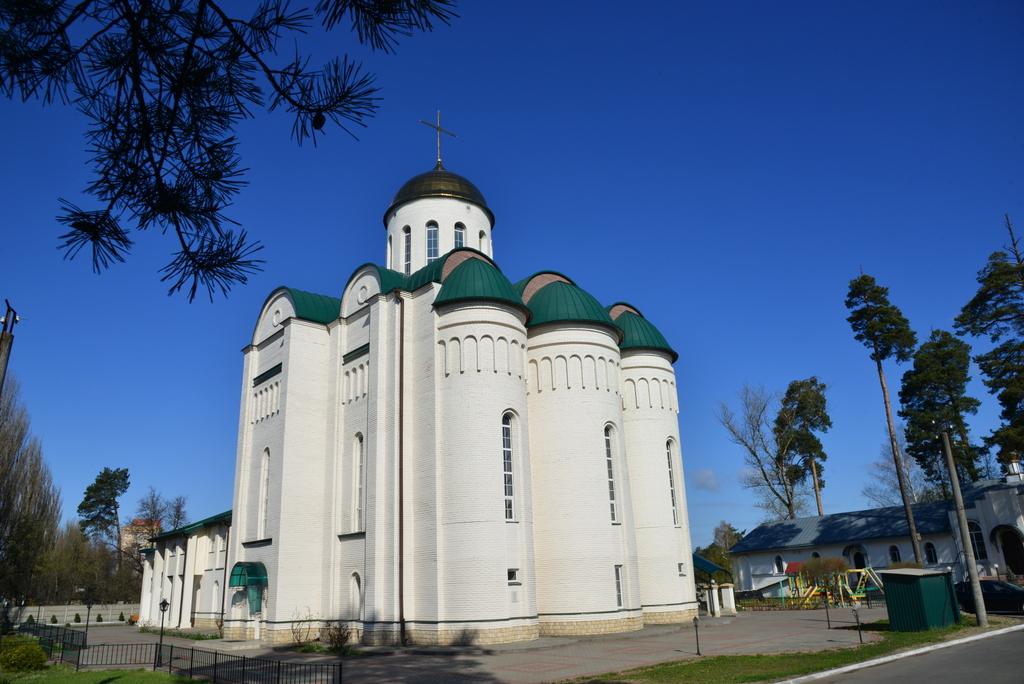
x,y
705,479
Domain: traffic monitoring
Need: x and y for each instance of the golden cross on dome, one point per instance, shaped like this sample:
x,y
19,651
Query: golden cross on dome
x,y
438,130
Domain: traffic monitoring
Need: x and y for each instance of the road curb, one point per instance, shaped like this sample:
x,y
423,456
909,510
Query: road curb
x,y
899,656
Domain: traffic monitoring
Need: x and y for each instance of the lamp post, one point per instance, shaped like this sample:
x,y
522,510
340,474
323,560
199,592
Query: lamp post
x,y
88,612
696,632
965,534
164,605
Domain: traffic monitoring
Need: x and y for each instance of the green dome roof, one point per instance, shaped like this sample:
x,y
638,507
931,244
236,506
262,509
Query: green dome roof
x,y
314,307
439,182
478,280
639,333
561,302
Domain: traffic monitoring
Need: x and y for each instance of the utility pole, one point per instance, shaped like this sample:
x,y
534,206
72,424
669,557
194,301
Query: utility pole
x,y
6,340
965,534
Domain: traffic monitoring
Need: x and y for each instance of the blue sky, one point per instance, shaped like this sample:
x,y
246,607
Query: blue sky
x,y
726,167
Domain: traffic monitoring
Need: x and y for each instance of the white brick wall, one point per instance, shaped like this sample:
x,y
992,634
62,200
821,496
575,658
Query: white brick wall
x,y
651,421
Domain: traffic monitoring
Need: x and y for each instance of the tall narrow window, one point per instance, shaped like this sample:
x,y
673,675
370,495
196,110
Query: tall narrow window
x,y
618,585
431,242
931,557
483,242
390,262
460,235
506,464
407,250
977,541
264,500
611,472
358,462
894,554
672,483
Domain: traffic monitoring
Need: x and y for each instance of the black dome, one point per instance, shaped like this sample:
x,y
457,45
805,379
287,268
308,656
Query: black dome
x,y
439,182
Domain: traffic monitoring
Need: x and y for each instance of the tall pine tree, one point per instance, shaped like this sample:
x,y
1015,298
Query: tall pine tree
x,y
885,331
934,398
99,512
803,412
997,312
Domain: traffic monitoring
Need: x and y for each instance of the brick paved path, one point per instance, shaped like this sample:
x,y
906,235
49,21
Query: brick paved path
x,y
554,659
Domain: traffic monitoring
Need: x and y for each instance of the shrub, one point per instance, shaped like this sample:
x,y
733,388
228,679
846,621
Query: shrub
x,y
23,657
53,619
30,621
78,618
13,641
823,568
336,636
121,616
99,618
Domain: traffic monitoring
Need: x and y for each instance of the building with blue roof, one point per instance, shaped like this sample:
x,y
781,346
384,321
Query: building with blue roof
x,y
879,537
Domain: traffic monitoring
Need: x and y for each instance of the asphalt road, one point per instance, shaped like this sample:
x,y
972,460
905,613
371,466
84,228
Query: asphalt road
x,y
996,660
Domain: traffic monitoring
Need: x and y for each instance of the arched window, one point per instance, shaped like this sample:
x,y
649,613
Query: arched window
x,y
977,541
358,474
894,554
672,482
815,554
355,597
482,242
460,235
390,263
611,472
407,250
930,556
216,596
431,242
506,466
780,567
264,500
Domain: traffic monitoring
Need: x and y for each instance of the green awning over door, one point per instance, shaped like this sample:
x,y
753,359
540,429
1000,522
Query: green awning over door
x,y
248,575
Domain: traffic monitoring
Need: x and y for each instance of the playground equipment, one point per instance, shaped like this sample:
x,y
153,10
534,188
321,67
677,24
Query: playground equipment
x,y
836,589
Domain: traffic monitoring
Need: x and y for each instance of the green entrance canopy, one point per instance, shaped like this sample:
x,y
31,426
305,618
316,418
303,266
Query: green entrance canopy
x,y
248,575
699,562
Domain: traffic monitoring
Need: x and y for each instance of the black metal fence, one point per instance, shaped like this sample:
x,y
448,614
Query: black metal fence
x,y
197,663
61,644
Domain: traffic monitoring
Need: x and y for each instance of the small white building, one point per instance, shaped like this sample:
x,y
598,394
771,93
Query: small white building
x,y
441,456
187,567
878,538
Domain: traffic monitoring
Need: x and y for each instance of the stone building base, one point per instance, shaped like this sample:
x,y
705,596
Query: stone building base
x,y
670,617
591,627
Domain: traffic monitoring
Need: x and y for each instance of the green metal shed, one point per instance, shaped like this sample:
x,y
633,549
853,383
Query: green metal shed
x,y
918,600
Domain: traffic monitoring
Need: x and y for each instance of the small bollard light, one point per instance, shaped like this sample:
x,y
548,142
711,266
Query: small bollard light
x,y
856,616
696,632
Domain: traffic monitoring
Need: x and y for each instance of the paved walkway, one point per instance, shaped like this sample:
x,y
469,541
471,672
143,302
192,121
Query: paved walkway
x,y
555,659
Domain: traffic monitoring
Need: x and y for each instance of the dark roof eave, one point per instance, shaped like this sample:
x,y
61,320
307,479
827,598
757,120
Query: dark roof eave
x,y
671,353
492,300
580,321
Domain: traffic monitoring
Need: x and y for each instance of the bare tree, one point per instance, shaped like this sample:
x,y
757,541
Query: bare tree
x,y
883,489
775,471
176,514
152,509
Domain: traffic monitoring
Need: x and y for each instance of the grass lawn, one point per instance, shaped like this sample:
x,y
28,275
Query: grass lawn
x,y
759,668
56,674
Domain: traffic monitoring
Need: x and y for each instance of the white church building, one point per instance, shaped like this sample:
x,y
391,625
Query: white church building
x,y
442,456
